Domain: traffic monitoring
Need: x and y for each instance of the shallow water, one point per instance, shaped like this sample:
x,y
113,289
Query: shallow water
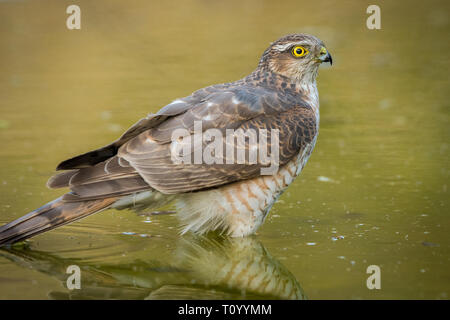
x,y
375,191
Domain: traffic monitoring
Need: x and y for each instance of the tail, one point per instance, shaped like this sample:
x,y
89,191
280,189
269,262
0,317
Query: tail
x,y
50,216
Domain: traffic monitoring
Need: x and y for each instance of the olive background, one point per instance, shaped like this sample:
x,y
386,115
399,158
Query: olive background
x,y
374,192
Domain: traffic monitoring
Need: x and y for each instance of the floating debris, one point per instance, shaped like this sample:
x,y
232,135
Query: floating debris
x,y
324,179
430,244
129,233
337,238
143,235
310,243
147,220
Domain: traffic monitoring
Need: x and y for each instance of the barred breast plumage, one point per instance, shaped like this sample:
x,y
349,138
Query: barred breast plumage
x,y
240,208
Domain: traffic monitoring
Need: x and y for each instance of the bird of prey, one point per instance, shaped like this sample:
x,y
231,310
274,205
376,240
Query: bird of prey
x,y
138,170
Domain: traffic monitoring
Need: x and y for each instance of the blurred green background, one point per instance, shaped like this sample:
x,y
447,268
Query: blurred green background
x,y
375,190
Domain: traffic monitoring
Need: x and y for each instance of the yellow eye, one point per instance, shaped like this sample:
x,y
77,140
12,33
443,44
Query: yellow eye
x,y
299,51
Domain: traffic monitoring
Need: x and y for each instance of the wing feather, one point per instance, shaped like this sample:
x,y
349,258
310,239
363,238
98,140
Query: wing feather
x,y
153,161
141,158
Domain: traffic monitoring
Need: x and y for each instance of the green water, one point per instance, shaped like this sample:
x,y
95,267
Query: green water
x,y
374,192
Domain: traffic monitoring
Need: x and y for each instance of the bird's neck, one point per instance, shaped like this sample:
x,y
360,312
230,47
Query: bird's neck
x,y
306,87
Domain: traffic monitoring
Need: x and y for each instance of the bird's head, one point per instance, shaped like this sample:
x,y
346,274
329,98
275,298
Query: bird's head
x,y
296,56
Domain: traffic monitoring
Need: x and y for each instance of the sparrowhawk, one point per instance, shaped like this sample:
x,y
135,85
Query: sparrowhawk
x,y
138,170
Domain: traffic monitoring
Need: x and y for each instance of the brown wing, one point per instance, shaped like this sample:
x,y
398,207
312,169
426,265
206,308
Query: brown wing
x,y
215,100
153,160
141,158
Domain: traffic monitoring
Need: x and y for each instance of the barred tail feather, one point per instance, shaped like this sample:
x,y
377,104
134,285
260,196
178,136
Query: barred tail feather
x,y
50,216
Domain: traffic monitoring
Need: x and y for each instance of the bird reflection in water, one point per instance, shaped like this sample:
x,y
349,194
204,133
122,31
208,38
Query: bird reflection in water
x,y
202,268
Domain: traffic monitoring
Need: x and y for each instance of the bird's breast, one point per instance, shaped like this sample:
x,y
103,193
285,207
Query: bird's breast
x,y
248,202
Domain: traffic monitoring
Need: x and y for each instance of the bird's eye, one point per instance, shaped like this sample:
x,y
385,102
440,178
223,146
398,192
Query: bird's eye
x,y
299,51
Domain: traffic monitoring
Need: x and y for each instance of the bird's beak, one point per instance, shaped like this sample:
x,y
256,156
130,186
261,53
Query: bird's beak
x,y
324,56
328,58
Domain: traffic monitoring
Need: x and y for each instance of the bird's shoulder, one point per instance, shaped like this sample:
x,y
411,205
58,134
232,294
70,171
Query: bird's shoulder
x,y
258,93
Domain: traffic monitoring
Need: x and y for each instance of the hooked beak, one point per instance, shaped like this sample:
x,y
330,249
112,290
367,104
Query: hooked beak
x,y
328,58
325,56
